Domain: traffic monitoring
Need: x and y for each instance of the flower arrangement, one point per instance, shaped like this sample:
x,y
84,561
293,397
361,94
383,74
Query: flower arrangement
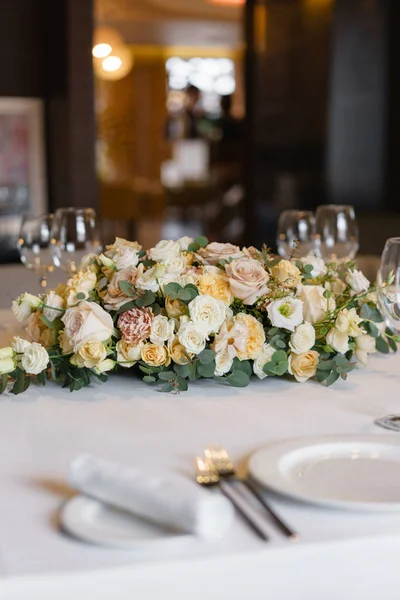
x,y
190,309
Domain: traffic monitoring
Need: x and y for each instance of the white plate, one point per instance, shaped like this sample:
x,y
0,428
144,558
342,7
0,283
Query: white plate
x,y
360,472
97,523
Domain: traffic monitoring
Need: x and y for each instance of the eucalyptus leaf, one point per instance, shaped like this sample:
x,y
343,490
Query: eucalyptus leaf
x,y
167,387
145,299
242,365
334,376
182,370
193,247
206,370
81,296
322,375
392,344
206,356
126,306
182,384
166,375
3,383
201,241
127,288
371,313
149,379
382,346
238,379
325,365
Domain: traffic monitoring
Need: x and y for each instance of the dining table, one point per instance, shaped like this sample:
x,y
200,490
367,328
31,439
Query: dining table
x,y
341,554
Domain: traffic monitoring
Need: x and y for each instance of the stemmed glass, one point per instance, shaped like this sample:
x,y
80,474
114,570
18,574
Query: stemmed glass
x,y
337,232
296,233
74,235
34,245
388,293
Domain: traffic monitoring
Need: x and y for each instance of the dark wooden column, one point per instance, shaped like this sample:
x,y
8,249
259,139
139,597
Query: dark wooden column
x,y
69,100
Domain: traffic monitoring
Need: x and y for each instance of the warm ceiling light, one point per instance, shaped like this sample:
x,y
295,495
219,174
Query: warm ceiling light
x,y
228,2
101,50
111,63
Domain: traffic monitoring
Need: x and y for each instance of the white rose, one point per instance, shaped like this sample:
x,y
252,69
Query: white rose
x,y
191,275
125,257
357,281
223,361
147,280
214,252
348,322
365,344
164,251
175,265
128,354
184,242
191,338
315,306
56,304
207,313
104,366
7,365
286,312
318,265
302,339
162,329
338,341
248,279
23,306
19,344
262,359
84,323
34,359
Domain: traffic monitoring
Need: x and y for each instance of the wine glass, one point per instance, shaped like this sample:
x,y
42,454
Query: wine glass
x,y
74,235
34,245
388,293
337,232
296,233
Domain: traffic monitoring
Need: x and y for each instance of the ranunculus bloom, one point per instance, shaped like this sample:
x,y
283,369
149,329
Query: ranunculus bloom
x,y
135,324
248,279
84,323
214,252
286,312
155,355
315,305
215,283
286,274
303,366
262,359
302,339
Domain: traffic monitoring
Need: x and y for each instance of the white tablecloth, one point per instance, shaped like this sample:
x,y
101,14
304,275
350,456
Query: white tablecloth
x,y
342,555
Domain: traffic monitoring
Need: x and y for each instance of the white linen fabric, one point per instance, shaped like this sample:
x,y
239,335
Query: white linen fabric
x,y
341,554
167,498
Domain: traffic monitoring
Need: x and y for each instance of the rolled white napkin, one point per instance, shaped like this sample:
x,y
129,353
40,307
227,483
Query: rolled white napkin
x,y
168,499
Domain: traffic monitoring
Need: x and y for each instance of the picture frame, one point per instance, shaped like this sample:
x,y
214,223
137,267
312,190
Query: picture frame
x,y
22,165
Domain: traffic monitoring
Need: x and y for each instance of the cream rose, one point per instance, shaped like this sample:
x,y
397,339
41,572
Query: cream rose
x,y
128,354
285,312
318,265
315,305
92,353
81,283
223,361
34,359
365,344
214,252
114,297
54,306
164,251
122,253
302,339
262,359
175,308
104,366
286,274
86,322
248,279
348,322
162,329
18,345
338,341
191,338
155,355
178,352
303,366
207,313
215,283
148,280
357,281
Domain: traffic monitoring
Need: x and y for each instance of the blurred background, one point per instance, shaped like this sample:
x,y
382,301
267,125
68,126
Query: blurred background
x,y
178,117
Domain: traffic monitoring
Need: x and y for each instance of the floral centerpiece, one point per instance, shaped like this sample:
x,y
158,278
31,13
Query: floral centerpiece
x,y
187,309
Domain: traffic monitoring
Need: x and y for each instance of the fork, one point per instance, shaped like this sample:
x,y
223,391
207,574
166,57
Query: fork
x,y
206,475
219,458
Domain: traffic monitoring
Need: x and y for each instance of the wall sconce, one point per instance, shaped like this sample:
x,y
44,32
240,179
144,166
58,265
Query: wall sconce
x,y
112,60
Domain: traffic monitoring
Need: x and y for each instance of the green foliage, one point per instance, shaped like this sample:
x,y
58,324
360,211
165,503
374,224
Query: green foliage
x,y
206,356
21,383
3,383
81,295
330,369
238,378
176,292
382,346
278,364
371,313
127,288
145,299
199,242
